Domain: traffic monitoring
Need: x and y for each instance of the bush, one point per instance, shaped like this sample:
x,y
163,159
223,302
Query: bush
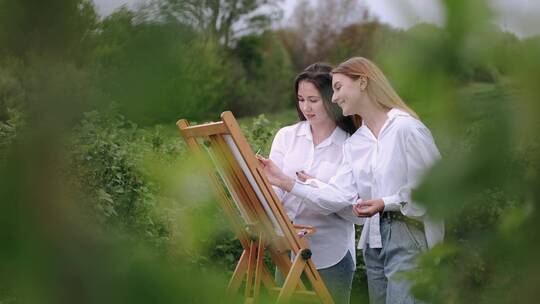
x,y
9,130
260,133
105,152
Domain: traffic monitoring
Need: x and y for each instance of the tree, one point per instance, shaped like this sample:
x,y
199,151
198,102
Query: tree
x,y
59,28
265,75
318,24
223,19
159,71
364,39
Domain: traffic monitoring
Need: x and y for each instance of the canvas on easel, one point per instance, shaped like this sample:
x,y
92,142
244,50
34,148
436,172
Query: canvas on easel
x,y
255,214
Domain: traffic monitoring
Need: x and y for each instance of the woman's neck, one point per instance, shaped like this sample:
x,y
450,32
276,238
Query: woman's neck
x,y
374,117
321,131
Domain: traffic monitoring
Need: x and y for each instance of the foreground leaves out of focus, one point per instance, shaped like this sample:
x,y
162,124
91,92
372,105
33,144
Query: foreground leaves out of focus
x,y
95,208
486,186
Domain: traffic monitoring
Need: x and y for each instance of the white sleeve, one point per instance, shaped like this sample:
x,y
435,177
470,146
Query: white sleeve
x,y
348,214
326,198
421,154
277,155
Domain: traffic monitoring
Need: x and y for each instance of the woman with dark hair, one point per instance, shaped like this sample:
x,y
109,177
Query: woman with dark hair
x,y
313,147
318,74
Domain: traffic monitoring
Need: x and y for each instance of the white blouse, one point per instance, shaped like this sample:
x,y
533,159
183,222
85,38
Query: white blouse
x,y
293,150
387,167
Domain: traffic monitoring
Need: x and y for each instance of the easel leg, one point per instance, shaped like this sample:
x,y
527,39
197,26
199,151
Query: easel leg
x,y
261,272
318,285
239,272
291,282
250,269
283,263
267,278
260,265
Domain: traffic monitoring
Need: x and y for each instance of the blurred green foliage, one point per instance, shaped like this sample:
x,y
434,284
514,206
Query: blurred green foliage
x,y
60,28
260,133
105,151
101,203
167,64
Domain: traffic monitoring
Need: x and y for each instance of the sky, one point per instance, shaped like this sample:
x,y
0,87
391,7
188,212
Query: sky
x,y
521,17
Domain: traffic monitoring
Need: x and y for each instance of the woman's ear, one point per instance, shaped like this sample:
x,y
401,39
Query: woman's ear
x,y
363,82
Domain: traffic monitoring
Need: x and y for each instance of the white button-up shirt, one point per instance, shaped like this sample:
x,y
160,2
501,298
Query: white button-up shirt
x,y
387,168
293,150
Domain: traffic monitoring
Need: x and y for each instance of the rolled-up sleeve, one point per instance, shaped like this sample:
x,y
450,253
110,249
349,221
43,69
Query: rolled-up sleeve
x,y
326,198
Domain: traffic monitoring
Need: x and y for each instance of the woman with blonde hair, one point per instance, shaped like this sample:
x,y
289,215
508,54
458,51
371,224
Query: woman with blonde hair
x,y
382,162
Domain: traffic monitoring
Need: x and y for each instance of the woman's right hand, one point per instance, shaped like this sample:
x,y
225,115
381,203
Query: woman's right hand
x,y
303,176
368,208
275,175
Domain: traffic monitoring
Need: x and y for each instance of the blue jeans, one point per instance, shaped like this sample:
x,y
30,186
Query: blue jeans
x,y
338,279
401,243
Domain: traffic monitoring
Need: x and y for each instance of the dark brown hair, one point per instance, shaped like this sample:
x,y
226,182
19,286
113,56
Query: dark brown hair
x,y
319,75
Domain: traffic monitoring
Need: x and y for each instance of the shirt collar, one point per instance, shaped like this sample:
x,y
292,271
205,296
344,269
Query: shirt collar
x,y
339,136
392,114
304,130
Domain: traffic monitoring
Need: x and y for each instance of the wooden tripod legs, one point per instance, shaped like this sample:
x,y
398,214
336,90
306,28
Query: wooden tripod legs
x,y
252,268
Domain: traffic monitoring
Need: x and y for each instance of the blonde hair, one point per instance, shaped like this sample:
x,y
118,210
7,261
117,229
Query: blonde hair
x,y
379,88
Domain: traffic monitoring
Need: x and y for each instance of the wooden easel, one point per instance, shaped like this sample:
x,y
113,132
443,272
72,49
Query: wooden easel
x,y
256,215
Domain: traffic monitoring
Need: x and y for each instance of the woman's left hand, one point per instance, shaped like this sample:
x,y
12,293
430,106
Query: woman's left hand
x,y
368,208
